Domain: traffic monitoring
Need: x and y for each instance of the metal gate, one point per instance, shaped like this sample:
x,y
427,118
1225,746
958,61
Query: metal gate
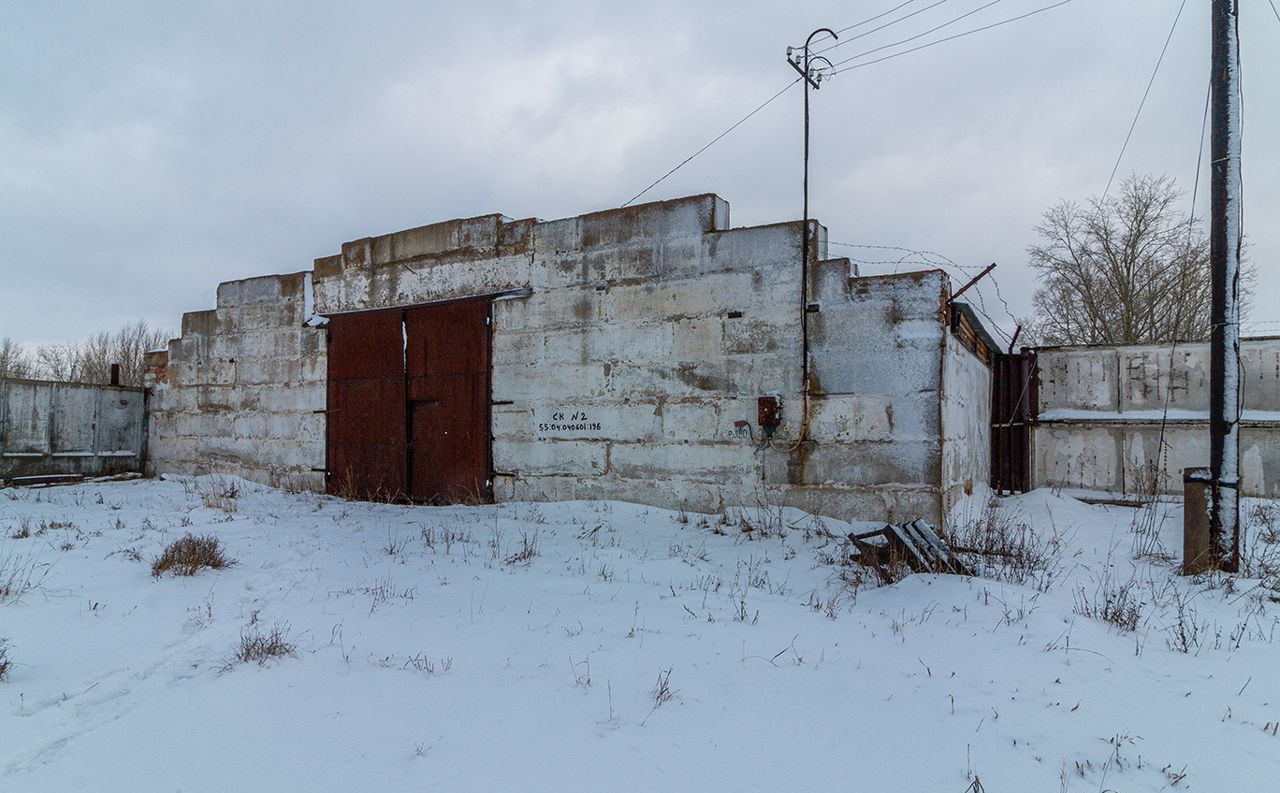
x,y
408,403
447,376
1014,397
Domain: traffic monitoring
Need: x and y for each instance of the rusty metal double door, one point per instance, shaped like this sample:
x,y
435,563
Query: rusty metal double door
x,y
409,403
1014,401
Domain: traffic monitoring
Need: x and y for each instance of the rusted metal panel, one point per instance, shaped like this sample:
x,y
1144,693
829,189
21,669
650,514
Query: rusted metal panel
x,y
365,436
409,401
447,357
1013,409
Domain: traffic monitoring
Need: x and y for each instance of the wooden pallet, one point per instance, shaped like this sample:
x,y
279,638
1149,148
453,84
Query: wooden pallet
x,y
915,544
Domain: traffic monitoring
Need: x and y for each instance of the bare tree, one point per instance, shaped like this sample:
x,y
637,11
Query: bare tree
x,y
57,362
90,361
127,347
14,360
1131,268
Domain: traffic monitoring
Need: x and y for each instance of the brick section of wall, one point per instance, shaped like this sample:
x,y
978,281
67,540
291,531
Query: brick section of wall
x,y
240,390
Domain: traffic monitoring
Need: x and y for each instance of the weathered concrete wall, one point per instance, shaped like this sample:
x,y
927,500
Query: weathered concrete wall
x,y
243,390
1101,408
877,350
658,326
966,429
69,428
638,338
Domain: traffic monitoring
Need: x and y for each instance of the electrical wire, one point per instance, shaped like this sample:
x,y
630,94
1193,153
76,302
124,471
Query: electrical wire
x,y
934,29
1274,10
878,28
865,21
1162,447
950,38
714,140
1145,93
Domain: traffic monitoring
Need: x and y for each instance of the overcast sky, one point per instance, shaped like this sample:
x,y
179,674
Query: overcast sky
x,y
153,149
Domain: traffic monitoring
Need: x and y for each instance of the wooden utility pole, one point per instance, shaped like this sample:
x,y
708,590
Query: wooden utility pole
x,y
1224,256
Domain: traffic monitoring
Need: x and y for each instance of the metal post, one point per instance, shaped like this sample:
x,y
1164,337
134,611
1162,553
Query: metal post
x,y
1198,555
803,63
1224,256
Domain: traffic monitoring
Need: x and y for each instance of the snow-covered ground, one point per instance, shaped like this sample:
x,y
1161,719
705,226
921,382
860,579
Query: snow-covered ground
x,y
522,647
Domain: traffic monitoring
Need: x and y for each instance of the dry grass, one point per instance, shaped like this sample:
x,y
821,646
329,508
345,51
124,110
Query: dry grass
x,y
5,662
258,647
528,549
220,494
1117,603
189,554
19,574
1000,546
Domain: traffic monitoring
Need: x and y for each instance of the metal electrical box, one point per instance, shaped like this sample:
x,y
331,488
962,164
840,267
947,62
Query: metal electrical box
x,y
768,413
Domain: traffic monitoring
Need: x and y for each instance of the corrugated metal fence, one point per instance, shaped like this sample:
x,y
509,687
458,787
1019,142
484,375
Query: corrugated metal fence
x,y
69,428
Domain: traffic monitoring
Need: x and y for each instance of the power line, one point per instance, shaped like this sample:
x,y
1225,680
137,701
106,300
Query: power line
x,y
1143,103
1273,9
713,141
879,28
1195,190
918,35
869,20
950,38
768,101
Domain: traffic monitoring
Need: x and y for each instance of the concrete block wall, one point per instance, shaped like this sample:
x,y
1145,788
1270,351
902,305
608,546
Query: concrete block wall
x,y
1101,408
966,431
625,347
242,390
657,326
877,346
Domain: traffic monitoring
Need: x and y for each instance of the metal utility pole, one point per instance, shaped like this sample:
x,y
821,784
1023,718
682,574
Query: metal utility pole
x,y
1224,257
803,62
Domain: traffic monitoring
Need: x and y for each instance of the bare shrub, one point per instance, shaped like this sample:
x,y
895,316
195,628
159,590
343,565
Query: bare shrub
x,y
189,554
1149,518
1187,631
1260,545
998,546
1116,604
1264,518
763,521
258,647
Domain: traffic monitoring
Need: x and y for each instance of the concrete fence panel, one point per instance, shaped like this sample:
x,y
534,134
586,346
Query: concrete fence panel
x,y
69,428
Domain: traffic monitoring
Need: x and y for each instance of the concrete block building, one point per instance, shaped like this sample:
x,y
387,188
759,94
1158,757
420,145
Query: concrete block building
x,y
652,354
